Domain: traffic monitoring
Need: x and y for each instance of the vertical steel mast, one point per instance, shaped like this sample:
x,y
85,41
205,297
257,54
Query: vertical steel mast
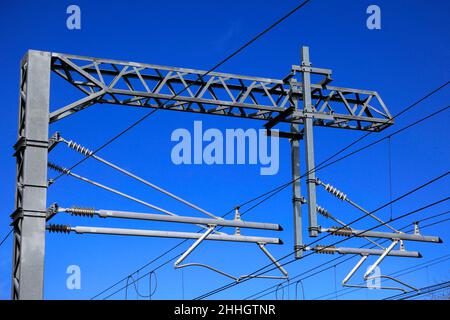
x,y
31,152
309,142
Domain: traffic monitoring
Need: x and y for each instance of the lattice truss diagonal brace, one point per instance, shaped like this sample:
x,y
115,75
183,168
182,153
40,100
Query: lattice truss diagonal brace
x,y
181,89
395,237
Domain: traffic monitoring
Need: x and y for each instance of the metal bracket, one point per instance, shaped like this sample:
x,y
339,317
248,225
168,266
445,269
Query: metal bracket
x,y
367,275
178,264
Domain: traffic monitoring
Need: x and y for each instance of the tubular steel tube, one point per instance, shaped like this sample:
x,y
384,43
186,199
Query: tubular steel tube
x,y
173,234
355,268
195,245
370,214
183,219
380,258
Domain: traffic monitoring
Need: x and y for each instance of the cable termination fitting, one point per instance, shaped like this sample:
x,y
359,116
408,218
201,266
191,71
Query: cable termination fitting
x,y
78,147
58,168
81,212
339,194
59,228
324,249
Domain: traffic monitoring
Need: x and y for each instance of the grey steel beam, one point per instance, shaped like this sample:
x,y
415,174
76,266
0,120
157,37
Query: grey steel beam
x,y
379,234
166,218
161,234
31,178
309,143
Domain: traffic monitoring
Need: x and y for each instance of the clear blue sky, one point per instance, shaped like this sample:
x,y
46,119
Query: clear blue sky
x,y
404,60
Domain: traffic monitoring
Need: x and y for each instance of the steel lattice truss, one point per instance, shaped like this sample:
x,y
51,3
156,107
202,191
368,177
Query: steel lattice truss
x,y
170,88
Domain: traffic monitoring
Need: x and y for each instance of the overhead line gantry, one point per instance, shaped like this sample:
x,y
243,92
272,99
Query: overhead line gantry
x,y
304,99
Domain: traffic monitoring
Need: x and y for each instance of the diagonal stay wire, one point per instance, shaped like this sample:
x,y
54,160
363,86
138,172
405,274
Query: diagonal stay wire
x,y
236,52
255,273
6,236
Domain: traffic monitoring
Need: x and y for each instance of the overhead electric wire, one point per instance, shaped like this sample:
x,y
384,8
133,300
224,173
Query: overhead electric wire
x,y
273,192
222,62
6,236
347,238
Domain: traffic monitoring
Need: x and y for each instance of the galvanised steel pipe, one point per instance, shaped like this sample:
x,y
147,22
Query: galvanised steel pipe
x,y
161,234
378,252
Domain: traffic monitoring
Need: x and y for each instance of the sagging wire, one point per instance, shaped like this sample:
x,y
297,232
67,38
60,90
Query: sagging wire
x,y
135,284
296,289
282,292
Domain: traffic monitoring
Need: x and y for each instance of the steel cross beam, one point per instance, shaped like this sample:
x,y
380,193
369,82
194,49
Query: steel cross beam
x,y
181,89
169,88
